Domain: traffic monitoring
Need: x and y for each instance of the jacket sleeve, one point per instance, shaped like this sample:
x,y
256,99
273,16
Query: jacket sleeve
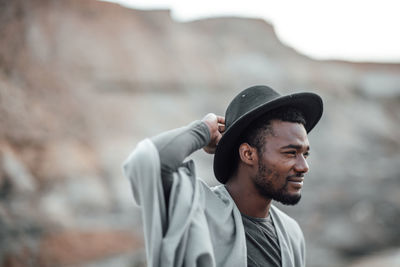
x,y
144,167
174,146
161,156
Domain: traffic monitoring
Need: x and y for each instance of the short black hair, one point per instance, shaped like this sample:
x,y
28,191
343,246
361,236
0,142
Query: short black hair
x,y
255,133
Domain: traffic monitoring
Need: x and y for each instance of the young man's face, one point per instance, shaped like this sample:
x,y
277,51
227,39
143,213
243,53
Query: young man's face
x,y
282,164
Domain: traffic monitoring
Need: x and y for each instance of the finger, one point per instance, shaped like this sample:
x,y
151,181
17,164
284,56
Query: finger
x,y
221,128
220,119
209,150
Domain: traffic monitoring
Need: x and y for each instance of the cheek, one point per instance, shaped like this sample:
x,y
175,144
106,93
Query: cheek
x,y
284,165
280,169
276,174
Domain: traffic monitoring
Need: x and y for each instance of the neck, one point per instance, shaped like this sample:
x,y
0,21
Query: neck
x,y
247,198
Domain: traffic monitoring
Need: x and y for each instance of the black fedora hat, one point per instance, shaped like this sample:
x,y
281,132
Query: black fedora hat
x,y
250,104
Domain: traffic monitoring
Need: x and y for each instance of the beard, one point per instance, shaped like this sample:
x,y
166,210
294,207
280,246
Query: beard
x,y
263,182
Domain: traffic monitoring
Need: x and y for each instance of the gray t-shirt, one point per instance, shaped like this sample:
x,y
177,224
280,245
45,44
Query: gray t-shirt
x,y
261,241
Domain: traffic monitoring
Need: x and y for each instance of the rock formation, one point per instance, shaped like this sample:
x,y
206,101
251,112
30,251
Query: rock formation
x,y
81,82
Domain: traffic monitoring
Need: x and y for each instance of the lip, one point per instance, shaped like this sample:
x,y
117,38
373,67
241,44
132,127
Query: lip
x,y
296,180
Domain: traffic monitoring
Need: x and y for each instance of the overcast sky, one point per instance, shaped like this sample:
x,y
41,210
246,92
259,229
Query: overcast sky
x,y
358,30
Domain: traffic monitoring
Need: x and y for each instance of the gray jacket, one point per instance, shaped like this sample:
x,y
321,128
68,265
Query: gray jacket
x,y
204,226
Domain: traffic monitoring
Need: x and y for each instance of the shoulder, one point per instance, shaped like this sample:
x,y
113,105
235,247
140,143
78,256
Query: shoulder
x,y
216,199
221,192
215,192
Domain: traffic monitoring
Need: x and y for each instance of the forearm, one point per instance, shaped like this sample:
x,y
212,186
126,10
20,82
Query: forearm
x,y
175,145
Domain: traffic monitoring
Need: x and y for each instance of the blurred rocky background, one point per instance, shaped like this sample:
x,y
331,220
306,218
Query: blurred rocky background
x,y
81,82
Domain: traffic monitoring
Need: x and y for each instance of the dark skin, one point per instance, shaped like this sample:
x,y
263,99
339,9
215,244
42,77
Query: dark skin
x,y
279,170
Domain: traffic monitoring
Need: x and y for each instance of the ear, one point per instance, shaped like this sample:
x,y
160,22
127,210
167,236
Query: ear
x,y
248,154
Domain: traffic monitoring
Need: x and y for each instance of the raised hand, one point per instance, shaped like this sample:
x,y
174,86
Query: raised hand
x,y
216,126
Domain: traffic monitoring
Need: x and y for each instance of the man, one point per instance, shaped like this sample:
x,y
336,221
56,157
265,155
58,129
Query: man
x,y
260,155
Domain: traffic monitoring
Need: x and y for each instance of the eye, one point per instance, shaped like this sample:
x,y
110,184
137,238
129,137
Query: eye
x,y
291,153
306,154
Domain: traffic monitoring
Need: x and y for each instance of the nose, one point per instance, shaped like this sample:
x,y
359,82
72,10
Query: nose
x,y
301,165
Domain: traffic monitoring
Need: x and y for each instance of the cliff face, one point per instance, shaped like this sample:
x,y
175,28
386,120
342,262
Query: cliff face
x,y
82,81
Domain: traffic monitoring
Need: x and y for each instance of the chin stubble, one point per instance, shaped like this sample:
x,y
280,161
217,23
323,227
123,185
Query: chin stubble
x,y
265,188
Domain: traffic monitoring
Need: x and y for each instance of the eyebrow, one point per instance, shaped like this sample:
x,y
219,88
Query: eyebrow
x,y
295,147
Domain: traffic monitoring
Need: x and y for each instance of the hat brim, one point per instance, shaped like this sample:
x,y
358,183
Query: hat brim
x,y
309,104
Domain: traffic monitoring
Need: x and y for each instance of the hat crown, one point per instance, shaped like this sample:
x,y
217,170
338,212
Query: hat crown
x,y
247,100
249,105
